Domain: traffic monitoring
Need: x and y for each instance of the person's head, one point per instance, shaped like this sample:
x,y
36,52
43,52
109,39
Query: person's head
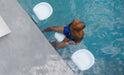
x,y
79,26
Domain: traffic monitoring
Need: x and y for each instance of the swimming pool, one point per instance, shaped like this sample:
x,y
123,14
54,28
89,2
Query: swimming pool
x,y
104,32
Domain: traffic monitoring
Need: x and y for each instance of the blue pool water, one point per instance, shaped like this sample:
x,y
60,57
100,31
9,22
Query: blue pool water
x,y
104,32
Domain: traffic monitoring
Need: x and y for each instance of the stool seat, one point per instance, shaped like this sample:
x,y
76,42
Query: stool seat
x,y
59,36
83,58
43,10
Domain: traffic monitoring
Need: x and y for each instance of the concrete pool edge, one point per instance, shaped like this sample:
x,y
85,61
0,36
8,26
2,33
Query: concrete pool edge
x,y
19,43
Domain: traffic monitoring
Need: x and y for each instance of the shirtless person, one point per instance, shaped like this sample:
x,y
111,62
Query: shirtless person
x,y
74,33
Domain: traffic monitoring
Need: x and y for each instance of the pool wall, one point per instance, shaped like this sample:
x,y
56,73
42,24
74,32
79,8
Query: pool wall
x,y
26,51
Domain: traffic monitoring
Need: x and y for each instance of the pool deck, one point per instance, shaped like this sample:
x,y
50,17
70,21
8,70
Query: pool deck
x,y
25,51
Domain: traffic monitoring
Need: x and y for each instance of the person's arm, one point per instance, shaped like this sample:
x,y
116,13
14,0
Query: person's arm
x,y
66,39
72,42
78,39
62,45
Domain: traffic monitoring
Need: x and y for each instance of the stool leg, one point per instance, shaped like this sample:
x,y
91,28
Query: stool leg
x,y
42,22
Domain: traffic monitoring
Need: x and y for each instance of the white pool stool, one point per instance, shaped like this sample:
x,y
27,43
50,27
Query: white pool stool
x,y
42,12
83,59
59,36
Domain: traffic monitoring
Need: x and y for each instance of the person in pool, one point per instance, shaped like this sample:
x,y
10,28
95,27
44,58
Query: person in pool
x,y
74,33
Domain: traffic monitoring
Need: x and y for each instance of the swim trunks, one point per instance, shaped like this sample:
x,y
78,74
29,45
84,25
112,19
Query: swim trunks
x,y
66,32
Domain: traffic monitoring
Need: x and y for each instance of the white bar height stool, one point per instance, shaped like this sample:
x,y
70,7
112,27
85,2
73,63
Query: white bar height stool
x,y
41,13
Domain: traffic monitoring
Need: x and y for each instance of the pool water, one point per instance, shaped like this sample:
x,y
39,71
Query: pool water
x,y
104,32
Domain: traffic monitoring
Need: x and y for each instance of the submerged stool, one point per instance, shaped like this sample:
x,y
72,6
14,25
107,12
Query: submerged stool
x,y
59,36
83,59
42,12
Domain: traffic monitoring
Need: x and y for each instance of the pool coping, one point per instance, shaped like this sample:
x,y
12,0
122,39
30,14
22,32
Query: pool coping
x,y
25,50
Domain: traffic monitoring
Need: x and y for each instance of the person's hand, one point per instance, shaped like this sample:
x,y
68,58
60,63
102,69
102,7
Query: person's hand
x,y
66,39
72,42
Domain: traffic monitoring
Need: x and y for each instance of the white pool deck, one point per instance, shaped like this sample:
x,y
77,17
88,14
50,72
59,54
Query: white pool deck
x,y
25,51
